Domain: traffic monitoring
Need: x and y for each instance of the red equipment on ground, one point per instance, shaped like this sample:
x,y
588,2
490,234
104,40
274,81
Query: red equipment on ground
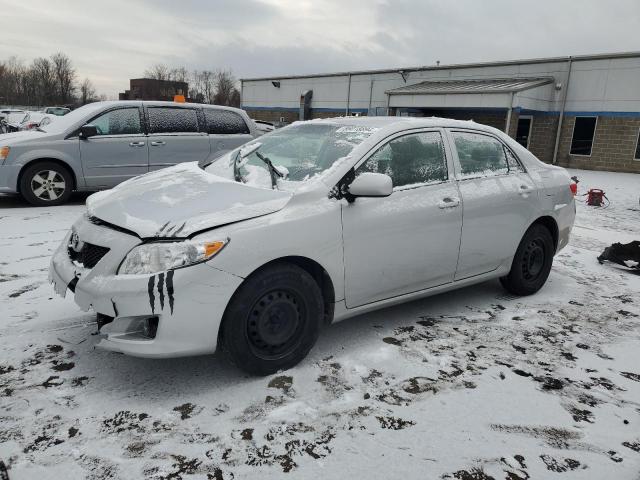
x,y
595,197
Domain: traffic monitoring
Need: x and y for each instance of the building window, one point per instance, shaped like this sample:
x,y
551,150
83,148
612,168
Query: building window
x,y
584,130
637,155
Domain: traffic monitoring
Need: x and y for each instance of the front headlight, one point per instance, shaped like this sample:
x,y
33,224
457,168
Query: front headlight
x,y
160,256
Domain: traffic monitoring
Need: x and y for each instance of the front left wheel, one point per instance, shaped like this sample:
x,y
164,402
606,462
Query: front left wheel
x,y
46,184
273,320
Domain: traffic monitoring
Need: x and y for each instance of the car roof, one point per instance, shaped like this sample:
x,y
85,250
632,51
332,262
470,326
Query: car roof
x,y
402,123
158,103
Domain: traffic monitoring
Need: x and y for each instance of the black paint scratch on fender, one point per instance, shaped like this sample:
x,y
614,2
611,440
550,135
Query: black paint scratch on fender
x,y
170,289
161,290
175,234
161,229
152,297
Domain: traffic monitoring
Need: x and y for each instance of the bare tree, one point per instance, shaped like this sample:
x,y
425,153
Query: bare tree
x,y
202,86
159,71
179,74
44,78
87,92
225,84
46,81
65,76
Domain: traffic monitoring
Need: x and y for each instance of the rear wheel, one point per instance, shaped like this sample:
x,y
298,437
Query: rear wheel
x,y
46,184
531,263
273,320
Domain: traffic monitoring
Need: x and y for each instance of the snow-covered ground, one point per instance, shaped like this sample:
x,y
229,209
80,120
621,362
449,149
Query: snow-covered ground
x,y
474,384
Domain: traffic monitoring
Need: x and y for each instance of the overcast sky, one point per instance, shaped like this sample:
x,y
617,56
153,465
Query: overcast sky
x,y
112,41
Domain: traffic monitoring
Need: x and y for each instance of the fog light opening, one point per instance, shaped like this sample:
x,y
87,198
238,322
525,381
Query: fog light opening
x,y
150,327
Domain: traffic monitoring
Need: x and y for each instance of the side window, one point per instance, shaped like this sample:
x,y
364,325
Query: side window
x,y
224,122
514,164
411,159
124,121
172,120
480,155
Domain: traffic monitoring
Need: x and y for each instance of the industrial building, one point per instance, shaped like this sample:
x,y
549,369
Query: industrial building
x,y
578,111
153,89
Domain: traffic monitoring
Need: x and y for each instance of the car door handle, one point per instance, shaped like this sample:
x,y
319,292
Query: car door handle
x,y
136,144
524,189
449,202
158,143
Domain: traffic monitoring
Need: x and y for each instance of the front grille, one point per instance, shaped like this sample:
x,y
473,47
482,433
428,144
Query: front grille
x,y
89,255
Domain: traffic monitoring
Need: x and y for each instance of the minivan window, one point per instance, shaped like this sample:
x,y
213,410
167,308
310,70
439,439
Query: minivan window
x,y
75,118
172,120
224,122
480,155
124,121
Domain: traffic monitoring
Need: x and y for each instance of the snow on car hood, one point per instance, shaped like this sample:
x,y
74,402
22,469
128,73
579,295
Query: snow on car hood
x,y
181,200
14,138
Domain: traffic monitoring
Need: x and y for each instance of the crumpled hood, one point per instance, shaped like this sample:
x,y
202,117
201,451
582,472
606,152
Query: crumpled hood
x,y
181,200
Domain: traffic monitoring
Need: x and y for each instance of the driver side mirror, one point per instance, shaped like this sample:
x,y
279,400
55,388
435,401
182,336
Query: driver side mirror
x,y
87,131
370,184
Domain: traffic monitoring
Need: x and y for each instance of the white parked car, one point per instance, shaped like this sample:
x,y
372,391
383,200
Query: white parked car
x,y
11,120
309,225
264,127
35,120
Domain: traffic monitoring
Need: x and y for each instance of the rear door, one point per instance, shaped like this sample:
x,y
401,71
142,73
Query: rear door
x,y
176,135
408,241
118,152
227,130
499,201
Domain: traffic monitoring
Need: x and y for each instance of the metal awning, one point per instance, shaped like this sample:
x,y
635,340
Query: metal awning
x,y
484,85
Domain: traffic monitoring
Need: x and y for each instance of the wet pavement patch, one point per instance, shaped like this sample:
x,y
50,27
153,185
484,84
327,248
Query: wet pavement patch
x,y
62,366
393,423
23,290
631,376
559,466
185,410
283,382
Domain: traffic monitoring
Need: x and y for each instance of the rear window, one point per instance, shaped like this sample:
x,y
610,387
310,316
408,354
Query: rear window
x,y
172,120
480,155
224,122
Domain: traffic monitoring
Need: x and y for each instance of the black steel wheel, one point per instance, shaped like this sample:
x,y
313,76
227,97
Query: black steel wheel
x,y
273,320
531,263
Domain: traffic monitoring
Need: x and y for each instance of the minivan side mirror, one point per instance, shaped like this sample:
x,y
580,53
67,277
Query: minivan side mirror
x,y
369,184
87,131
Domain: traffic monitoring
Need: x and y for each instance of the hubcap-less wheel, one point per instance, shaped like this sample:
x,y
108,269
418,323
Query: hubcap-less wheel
x,y
533,259
531,262
273,319
48,185
274,324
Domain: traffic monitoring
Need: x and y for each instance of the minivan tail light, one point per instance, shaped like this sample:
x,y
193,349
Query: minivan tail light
x,y
574,188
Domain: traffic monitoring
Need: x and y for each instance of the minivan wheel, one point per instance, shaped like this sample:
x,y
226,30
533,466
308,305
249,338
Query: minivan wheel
x,y
46,184
531,263
273,320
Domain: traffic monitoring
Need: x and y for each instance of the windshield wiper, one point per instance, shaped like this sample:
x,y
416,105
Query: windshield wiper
x,y
273,171
237,176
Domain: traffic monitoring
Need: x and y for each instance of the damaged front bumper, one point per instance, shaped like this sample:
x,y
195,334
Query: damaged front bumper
x,y
187,303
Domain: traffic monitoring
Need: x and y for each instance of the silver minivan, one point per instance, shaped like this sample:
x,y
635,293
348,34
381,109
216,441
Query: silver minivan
x,y
103,144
